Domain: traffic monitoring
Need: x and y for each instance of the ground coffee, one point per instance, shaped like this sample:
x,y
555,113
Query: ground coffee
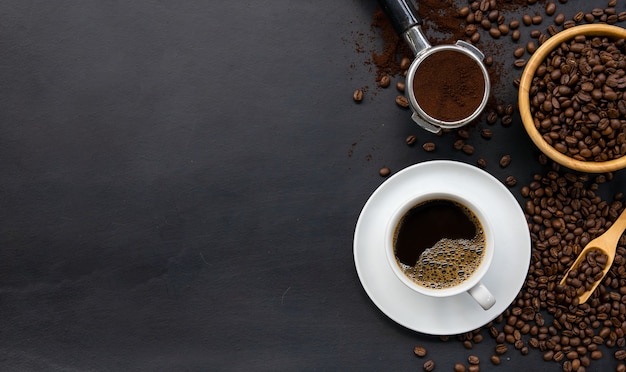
x,y
449,85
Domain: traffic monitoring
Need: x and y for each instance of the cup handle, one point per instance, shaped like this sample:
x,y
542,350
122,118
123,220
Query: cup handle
x,y
481,294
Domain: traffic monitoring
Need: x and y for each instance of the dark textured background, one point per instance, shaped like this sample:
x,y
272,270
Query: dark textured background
x,y
181,182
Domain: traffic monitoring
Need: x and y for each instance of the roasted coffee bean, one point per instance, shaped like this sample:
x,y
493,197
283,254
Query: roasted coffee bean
x,y
458,367
517,34
510,181
501,349
495,360
486,133
519,52
402,101
410,140
357,95
550,8
429,146
520,62
495,33
505,161
429,365
468,149
384,172
531,47
620,354
385,81
473,368
420,351
481,163
559,19
468,344
400,86
473,359
405,63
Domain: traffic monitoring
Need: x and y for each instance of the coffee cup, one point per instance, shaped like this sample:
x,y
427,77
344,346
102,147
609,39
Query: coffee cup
x,y
440,245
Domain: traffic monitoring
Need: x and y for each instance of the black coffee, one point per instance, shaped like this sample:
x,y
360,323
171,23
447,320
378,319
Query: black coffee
x,y
439,243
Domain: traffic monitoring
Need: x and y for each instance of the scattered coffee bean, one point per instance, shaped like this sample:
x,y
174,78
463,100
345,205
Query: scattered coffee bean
x,y
473,359
486,133
481,163
385,81
384,171
358,95
501,349
520,62
429,365
420,351
468,149
405,63
505,161
410,140
550,8
495,360
402,101
429,146
511,181
400,86
458,367
559,19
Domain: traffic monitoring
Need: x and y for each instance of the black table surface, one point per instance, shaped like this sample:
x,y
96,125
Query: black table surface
x,y
181,182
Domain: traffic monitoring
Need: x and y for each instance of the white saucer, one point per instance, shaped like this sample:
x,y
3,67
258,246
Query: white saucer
x,y
449,315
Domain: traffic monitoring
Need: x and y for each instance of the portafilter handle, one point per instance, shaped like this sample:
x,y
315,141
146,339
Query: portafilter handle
x,y
406,22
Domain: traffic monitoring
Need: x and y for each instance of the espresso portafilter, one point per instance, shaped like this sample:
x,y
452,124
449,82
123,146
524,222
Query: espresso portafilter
x,y
426,108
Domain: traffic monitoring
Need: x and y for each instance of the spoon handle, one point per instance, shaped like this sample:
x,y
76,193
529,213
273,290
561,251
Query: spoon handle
x,y
618,226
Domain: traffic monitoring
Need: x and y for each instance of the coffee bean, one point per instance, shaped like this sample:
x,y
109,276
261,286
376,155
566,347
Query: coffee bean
x,y
559,19
505,160
527,20
468,149
519,52
458,367
385,81
429,365
550,8
620,354
468,344
357,95
510,181
516,34
501,349
481,163
384,172
486,133
400,86
473,368
495,360
420,351
473,359
402,101
520,62
537,19
405,63
429,146
411,140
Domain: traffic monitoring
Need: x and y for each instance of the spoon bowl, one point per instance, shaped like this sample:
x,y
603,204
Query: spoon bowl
x,y
605,243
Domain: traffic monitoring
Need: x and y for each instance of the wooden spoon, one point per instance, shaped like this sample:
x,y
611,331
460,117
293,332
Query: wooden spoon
x,y
605,243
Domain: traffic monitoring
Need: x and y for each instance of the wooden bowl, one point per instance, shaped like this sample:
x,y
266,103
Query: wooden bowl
x,y
537,58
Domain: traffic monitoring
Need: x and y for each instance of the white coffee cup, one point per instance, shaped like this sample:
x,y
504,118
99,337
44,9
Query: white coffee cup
x,y
473,284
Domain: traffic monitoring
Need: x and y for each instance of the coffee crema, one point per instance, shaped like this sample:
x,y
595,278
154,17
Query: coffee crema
x,y
439,243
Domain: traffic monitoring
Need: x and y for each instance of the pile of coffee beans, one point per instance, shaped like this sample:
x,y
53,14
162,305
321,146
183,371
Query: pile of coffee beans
x,y
577,98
